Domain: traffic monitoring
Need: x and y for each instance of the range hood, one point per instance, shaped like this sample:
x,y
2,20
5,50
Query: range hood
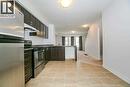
x,y
32,31
28,27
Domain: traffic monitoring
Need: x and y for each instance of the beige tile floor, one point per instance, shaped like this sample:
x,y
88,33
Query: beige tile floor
x,y
86,72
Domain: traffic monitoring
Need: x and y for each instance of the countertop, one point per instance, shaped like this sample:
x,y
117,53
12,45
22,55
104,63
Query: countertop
x,y
42,46
50,45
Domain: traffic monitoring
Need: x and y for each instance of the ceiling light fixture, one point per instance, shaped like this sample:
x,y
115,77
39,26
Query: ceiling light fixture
x,y
65,3
85,25
73,32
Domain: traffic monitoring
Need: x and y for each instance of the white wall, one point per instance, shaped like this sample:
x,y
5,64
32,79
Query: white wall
x,y
51,37
92,47
83,41
58,40
116,38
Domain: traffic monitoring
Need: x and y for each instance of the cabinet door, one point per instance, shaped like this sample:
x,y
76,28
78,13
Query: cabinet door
x,y
33,21
38,24
53,53
46,32
18,6
42,30
48,54
27,17
57,54
61,53
28,59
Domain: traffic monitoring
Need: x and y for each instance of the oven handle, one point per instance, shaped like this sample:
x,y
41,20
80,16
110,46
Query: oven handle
x,y
28,49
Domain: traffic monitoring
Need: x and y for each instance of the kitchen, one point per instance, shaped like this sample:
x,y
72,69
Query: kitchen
x,y
21,38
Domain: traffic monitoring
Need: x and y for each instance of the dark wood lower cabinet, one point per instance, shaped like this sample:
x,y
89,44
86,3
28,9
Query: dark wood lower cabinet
x,y
39,69
47,54
56,53
28,65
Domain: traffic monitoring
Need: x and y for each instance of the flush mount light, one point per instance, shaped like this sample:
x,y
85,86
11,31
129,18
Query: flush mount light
x,y
73,32
85,25
65,3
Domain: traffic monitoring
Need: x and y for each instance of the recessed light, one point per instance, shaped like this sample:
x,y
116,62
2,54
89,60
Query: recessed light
x,y
85,25
65,3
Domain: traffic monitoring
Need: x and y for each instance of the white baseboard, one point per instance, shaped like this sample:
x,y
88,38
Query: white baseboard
x,y
121,76
94,57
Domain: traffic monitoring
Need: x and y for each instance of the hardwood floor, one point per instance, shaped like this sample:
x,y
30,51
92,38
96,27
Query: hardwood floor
x,y
86,72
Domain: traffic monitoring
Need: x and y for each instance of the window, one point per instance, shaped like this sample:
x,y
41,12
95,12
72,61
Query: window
x,y
67,41
77,41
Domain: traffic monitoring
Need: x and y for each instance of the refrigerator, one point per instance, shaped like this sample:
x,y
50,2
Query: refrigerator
x,y
12,51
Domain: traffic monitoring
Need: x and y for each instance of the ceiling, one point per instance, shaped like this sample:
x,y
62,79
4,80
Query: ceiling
x,y
68,19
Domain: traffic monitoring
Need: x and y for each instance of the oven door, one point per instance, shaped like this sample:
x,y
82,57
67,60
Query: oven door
x,y
36,58
41,56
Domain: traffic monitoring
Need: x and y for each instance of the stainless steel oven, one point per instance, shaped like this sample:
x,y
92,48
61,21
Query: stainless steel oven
x,y
38,57
39,60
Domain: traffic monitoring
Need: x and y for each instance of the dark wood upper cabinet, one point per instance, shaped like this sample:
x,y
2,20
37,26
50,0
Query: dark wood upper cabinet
x,y
27,17
19,7
33,21
46,32
42,30
38,25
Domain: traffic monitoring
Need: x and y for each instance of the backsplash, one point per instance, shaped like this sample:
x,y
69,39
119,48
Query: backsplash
x,y
35,40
